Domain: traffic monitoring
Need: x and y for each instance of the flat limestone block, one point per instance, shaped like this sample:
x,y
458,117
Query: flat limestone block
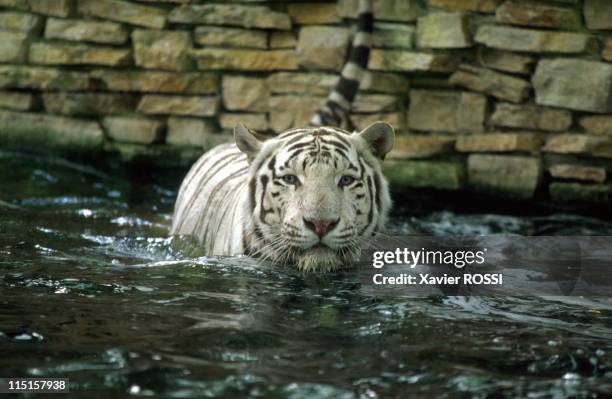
x,y
156,81
189,131
540,15
249,60
421,146
78,54
42,78
313,13
483,6
508,175
322,47
247,16
242,93
282,40
56,8
384,10
152,104
13,47
86,31
369,103
575,84
578,172
410,61
597,124
89,104
312,83
447,111
498,142
15,21
16,100
123,11
506,61
533,40
529,116
444,30
424,174
133,129
580,144
491,82
159,49
598,14
42,130
384,82
235,37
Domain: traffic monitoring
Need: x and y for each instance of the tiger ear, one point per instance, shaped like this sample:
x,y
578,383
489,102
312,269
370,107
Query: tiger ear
x,y
380,137
246,140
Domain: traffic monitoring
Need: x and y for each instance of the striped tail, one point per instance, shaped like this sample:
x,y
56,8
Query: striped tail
x,y
338,103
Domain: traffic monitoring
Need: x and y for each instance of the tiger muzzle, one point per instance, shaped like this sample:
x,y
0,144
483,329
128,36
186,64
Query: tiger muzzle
x,y
320,226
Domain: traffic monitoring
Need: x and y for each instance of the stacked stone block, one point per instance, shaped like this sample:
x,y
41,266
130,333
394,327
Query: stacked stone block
x,y
510,97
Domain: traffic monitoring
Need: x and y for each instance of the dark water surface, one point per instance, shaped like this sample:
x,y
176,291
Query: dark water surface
x,y
92,290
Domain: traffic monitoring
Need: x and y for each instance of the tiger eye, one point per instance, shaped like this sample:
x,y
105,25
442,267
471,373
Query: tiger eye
x,y
346,180
290,179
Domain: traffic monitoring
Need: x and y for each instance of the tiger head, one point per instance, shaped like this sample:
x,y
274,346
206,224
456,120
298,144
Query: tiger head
x,y
315,194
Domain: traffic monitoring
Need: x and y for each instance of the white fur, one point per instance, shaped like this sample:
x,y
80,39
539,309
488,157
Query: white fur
x,y
216,198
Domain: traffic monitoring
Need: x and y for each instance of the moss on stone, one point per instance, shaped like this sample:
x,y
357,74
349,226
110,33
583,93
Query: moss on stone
x,y
425,174
13,134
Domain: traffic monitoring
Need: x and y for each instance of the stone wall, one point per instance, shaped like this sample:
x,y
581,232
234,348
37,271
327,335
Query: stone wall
x,y
512,97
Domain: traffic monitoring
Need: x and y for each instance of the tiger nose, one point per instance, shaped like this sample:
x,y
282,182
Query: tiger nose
x,y
321,227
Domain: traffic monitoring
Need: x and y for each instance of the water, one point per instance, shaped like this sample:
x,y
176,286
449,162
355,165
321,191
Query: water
x,y
92,289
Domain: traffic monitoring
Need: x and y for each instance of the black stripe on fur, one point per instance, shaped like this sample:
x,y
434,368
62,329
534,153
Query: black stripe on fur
x,y
365,22
348,88
359,55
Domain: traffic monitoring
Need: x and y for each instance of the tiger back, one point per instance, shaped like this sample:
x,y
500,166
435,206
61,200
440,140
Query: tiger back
x,y
209,203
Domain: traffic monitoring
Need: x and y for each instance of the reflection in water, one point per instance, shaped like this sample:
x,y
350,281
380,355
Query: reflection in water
x,y
91,289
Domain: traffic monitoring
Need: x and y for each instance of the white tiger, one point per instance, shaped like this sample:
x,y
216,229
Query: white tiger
x,y
308,197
